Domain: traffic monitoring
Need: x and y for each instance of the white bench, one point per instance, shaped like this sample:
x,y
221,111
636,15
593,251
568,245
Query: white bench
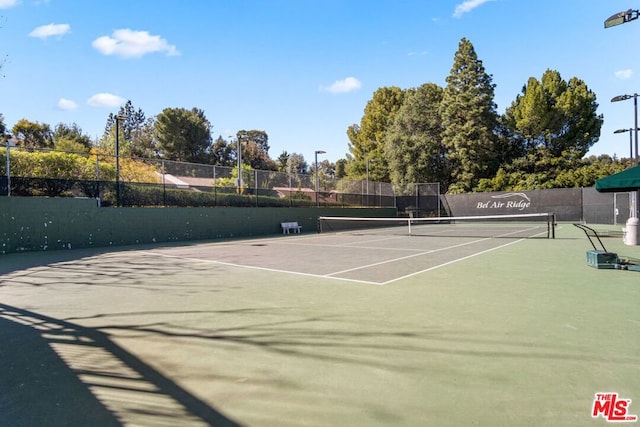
x,y
288,226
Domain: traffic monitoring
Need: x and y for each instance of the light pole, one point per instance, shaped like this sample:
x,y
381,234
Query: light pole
x,y
635,113
635,131
316,166
630,140
118,118
239,166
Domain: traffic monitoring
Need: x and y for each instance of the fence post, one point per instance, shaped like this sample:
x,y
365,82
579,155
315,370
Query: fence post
x,y
164,188
8,171
255,183
215,194
98,178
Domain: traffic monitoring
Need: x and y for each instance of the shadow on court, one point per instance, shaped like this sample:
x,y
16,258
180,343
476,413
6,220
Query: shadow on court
x,y
57,373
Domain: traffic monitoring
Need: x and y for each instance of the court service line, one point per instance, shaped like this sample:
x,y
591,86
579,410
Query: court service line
x,y
253,267
451,262
432,251
408,256
292,243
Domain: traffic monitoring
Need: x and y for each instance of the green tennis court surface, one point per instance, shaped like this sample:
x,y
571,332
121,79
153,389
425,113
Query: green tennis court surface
x,y
320,330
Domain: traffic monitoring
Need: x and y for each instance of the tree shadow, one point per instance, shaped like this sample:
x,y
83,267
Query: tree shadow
x,y
54,372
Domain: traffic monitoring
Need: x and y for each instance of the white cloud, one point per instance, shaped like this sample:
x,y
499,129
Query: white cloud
x,y
343,86
133,44
624,74
66,104
105,100
6,4
468,6
50,30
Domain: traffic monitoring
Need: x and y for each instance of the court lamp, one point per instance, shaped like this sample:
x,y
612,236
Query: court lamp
x,y
635,129
316,165
118,119
630,130
621,18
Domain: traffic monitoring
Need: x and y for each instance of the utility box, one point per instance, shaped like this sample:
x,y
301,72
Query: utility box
x,y
602,260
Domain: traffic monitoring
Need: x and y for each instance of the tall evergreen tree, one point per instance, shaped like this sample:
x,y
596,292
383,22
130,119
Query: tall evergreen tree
x,y
183,135
414,149
366,140
469,120
136,132
556,116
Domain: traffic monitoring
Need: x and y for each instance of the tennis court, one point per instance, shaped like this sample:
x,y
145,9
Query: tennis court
x,y
371,255
339,328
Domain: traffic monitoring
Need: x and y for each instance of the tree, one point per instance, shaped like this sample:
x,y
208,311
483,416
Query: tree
x,y
341,168
296,164
130,120
557,116
255,149
366,140
4,136
33,135
222,153
469,120
70,138
413,144
143,141
183,135
136,132
281,161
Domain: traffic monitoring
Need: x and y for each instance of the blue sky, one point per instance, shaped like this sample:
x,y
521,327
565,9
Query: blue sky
x,y
301,70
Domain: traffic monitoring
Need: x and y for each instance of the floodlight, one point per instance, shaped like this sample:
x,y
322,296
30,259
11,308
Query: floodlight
x,y
621,18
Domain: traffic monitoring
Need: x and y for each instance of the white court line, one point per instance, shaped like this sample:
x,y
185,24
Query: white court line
x,y
351,246
407,257
332,275
252,267
451,262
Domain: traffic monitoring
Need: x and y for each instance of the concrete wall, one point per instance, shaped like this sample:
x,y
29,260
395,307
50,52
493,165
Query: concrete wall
x,y
38,224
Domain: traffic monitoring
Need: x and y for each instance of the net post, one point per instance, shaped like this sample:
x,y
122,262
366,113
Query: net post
x,y
553,225
409,222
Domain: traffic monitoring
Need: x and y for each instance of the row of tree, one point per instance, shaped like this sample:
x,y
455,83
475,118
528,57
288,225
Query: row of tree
x,y
177,134
452,135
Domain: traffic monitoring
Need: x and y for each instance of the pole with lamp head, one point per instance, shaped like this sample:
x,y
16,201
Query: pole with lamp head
x,y
118,118
316,173
635,131
630,130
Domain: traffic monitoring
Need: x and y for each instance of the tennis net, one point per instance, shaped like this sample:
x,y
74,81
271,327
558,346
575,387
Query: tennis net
x,y
538,225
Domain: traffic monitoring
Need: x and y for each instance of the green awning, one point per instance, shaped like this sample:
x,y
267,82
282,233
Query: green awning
x,y
627,180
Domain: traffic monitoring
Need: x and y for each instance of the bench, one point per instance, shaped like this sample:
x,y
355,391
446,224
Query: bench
x,y
288,226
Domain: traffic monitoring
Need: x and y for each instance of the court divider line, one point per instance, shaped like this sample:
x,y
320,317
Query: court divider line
x,y
408,256
253,267
453,261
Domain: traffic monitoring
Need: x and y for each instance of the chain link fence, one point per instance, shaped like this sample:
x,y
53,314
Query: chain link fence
x,y
125,181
